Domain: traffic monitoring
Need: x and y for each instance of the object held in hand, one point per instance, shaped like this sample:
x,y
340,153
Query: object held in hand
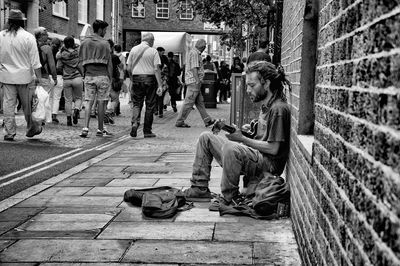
x,y
249,131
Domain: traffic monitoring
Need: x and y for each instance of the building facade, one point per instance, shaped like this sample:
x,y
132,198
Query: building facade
x,y
67,18
344,168
160,16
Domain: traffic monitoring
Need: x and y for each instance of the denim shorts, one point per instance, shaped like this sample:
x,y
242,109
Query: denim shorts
x,y
99,86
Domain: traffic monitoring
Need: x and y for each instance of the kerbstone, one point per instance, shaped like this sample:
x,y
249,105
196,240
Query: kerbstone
x,y
158,230
60,250
200,252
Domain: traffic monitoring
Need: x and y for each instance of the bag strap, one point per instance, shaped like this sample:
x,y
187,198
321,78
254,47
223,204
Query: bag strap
x,y
138,58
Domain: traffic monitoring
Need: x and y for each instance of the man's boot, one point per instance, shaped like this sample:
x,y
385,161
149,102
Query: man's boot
x,y
54,119
69,121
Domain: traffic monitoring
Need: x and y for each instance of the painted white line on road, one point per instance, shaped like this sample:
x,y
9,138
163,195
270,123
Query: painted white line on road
x,y
100,147
38,164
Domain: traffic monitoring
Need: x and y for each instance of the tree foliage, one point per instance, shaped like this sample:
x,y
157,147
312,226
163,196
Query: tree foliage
x,y
235,15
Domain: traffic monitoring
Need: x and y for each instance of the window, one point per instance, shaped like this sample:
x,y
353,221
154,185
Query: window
x,y
139,11
162,9
60,9
186,12
83,11
100,9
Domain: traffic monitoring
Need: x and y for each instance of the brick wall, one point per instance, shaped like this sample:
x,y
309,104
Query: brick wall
x,y
345,195
70,25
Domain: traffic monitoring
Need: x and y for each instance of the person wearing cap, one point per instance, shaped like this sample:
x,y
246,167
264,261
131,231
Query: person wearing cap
x,y
19,72
48,68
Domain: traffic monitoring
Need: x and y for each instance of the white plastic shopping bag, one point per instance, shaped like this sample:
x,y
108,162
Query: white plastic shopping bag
x,y
41,109
167,98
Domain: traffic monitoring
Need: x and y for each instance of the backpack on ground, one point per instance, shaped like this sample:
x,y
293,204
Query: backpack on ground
x,y
158,202
271,201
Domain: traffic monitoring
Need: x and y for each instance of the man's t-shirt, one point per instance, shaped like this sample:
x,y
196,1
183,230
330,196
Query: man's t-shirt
x,y
274,125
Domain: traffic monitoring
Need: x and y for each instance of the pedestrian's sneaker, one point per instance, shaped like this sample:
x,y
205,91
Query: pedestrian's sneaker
x,y
85,132
103,133
198,194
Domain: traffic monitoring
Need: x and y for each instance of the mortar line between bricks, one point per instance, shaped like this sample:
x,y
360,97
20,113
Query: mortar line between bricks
x,y
343,11
394,133
392,90
386,169
377,240
392,13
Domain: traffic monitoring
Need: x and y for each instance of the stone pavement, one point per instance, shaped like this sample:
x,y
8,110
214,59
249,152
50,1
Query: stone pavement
x,y
79,217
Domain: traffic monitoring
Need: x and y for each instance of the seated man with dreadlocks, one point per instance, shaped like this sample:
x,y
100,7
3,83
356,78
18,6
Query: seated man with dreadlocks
x,y
266,154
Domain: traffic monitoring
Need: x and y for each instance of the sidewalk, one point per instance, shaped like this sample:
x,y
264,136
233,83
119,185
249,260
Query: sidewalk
x,y
80,217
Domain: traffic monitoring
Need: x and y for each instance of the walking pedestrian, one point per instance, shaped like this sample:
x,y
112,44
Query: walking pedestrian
x,y
48,69
116,84
95,56
264,155
261,54
225,83
174,70
19,59
164,78
122,70
144,70
68,64
194,74
58,103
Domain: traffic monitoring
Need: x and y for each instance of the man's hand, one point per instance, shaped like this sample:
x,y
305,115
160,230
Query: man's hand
x,y
235,136
55,81
159,91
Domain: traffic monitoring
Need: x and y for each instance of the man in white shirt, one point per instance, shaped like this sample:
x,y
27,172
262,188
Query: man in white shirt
x,y
19,62
145,74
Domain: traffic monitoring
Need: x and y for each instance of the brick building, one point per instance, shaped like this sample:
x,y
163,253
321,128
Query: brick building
x,y
65,18
343,58
163,16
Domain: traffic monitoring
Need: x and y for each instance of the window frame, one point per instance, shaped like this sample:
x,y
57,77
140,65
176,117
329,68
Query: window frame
x,y
135,8
98,16
162,9
85,12
186,3
63,12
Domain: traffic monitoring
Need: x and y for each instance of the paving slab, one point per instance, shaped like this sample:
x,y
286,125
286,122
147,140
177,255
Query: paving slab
x,y
203,215
65,191
70,201
83,210
61,250
61,226
71,217
16,233
109,191
132,182
130,161
268,231
158,230
6,226
19,264
104,264
104,169
19,214
75,182
134,214
173,182
5,243
155,168
276,253
100,175
190,252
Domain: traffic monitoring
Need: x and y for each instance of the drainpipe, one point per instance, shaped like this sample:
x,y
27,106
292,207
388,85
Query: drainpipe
x,y
2,14
32,16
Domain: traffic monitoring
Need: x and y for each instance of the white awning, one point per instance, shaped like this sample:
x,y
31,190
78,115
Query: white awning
x,y
61,37
176,42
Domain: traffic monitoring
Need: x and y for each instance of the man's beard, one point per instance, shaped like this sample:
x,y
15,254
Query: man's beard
x,y
259,98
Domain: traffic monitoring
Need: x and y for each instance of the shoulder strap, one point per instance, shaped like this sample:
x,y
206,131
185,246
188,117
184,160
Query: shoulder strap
x,y
139,56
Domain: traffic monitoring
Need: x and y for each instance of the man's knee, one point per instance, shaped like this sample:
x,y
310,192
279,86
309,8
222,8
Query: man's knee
x,y
205,136
229,149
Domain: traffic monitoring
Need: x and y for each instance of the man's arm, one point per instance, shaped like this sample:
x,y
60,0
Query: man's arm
x,y
51,63
271,147
129,65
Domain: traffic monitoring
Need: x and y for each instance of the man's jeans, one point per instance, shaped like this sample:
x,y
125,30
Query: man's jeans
x,y
143,89
193,97
234,158
25,92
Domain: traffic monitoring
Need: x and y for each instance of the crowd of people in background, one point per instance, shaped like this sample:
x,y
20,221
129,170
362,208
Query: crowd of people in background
x,y
92,76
